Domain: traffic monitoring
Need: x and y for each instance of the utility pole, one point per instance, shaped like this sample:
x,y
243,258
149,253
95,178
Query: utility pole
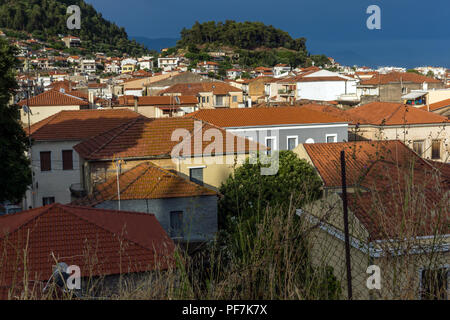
x,y
346,231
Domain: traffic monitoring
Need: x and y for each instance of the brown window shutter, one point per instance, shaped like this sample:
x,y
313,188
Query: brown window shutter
x,y
46,161
67,159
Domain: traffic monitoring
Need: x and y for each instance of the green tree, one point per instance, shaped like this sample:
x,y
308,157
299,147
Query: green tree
x,y
247,193
15,172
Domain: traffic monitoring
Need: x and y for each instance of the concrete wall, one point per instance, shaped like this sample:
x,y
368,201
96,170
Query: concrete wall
x,y
199,214
54,183
41,113
411,133
303,132
392,92
325,90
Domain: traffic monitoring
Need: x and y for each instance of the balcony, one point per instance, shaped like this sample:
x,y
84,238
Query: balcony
x,y
286,92
77,190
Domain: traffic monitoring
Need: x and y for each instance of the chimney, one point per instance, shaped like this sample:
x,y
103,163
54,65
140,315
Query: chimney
x,y
135,104
91,99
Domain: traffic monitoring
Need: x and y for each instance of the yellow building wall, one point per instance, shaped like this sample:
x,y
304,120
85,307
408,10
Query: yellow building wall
x,y
41,113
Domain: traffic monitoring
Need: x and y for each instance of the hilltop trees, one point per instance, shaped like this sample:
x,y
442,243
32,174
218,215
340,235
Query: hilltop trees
x,y
15,173
244,35
48,19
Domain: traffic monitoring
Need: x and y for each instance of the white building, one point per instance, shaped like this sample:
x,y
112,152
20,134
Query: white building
x,y
88,66
325,85
168,63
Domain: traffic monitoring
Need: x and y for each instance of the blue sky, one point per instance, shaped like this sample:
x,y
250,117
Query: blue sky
x,y
413,32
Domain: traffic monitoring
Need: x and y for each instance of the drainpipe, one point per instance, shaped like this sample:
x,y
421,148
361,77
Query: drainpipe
x,y
135,104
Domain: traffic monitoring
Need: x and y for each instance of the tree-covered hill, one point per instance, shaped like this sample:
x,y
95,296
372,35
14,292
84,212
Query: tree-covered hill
x,y
46,19
243,35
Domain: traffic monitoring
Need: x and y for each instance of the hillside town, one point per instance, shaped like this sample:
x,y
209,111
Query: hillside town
x,y
106,151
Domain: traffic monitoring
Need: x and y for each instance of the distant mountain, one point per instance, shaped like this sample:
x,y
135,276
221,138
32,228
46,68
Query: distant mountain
x,y
156,43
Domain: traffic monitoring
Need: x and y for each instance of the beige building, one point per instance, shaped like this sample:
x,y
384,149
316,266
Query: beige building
x,y
49,103
170,143
210,94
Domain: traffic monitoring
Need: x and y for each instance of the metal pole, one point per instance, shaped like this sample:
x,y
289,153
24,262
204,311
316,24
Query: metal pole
x,y
118,184
347,237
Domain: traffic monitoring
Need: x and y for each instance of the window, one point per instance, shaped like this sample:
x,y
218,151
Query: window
x,y
220,100
434,284
203,99
176,224
46,161
418,147
292,142
196,175
234,98
331,138
48,200
270,143
436,149
309,140
67,156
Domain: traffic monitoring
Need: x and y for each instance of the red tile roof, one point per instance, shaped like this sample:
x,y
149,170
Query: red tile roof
x,y
360,156
80,124
319,79
386,113
394,77
437,105
114,242
158,100
413,196
152,138
145,181
247,117
53,98
192,89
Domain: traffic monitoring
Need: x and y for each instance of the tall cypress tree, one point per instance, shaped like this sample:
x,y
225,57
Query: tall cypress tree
x,y
15,172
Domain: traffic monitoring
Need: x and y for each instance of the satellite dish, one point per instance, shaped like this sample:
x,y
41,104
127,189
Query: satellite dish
x,y
26,109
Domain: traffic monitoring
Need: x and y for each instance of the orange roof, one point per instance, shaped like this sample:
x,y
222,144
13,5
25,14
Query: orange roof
x,y
386,113
121,242
192,89
398,77
318,79
361,156
247,117
152,138
53,98
145,181
437,105
79,124
158,100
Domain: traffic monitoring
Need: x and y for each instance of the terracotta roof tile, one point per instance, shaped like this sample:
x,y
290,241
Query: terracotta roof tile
x,y
145,181
192,89
437,105
152,138
54,98
80,124
386,113
247,117
121,242
158,100
394,77
360,157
